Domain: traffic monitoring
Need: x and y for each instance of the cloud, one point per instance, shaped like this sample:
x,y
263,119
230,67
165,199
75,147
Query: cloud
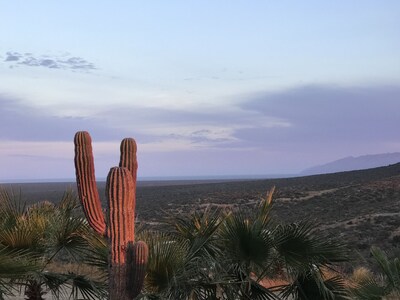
x,y
302,118
202,127
265,132
299,116
12,56
331,115
314,123
22,122
65,62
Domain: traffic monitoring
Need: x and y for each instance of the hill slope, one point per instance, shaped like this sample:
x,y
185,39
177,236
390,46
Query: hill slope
x,y
355,163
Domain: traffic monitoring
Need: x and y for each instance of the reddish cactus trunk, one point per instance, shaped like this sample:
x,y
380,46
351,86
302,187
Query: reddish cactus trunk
x,y
119,192
127,259
120,195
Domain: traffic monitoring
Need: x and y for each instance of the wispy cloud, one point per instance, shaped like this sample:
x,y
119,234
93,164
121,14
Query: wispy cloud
x,y
65,61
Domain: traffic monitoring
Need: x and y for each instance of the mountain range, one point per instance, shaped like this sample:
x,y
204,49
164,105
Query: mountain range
x,y
354,163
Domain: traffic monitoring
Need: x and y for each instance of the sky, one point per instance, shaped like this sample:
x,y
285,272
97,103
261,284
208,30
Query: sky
x,y
207,88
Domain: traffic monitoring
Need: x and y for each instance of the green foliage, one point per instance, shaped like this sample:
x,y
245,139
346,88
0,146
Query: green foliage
x,y
216,255
206,255
384,286
32,238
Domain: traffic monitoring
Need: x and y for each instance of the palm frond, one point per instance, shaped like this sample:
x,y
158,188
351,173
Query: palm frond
x,y
199,230
11,208
166,259
21,237
390,268
245,241
97,254
32,237
265,206
70,236
299,245
313,285
14,265
82,286
69,202
237,284
259,292
16,262
368,289
389,283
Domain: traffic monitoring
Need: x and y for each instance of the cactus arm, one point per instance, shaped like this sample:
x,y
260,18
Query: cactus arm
x,y
128,157
86,181
136,260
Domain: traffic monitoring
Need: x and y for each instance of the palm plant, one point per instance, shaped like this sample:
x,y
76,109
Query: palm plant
x,y
306,258
13,265
254,247
215,255
384,286
181,262
42,234
247,249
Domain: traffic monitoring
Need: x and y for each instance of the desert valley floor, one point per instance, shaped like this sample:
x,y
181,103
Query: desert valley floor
x,y
362,207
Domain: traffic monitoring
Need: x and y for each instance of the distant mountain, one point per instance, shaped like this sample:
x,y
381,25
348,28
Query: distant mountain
x,y
355,163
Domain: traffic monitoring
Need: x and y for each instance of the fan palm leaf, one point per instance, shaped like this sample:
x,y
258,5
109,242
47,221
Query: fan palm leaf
x,y
14,264
246,243
199,230
390,269
247,253
312,284
166,260
299,245
387,284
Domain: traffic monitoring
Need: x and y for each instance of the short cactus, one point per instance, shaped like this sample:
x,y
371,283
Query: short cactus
x,y
127,259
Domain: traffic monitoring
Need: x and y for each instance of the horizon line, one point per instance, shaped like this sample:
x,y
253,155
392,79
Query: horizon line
x,y
159,178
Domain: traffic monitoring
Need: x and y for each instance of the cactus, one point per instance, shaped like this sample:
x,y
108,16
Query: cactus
x,y
127,259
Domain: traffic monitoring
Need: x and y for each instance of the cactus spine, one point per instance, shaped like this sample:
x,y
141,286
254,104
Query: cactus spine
x,y
127,259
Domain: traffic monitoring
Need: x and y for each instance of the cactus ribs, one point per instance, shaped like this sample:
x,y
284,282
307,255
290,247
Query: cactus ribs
x,y
127,259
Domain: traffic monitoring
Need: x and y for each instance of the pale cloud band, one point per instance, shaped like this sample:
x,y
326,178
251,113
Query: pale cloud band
x,y
309,114
261,133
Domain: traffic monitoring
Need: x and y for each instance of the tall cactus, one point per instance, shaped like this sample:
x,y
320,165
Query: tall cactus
x,y
127,259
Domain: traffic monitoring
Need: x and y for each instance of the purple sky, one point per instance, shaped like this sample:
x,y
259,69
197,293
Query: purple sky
x,y
205,89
